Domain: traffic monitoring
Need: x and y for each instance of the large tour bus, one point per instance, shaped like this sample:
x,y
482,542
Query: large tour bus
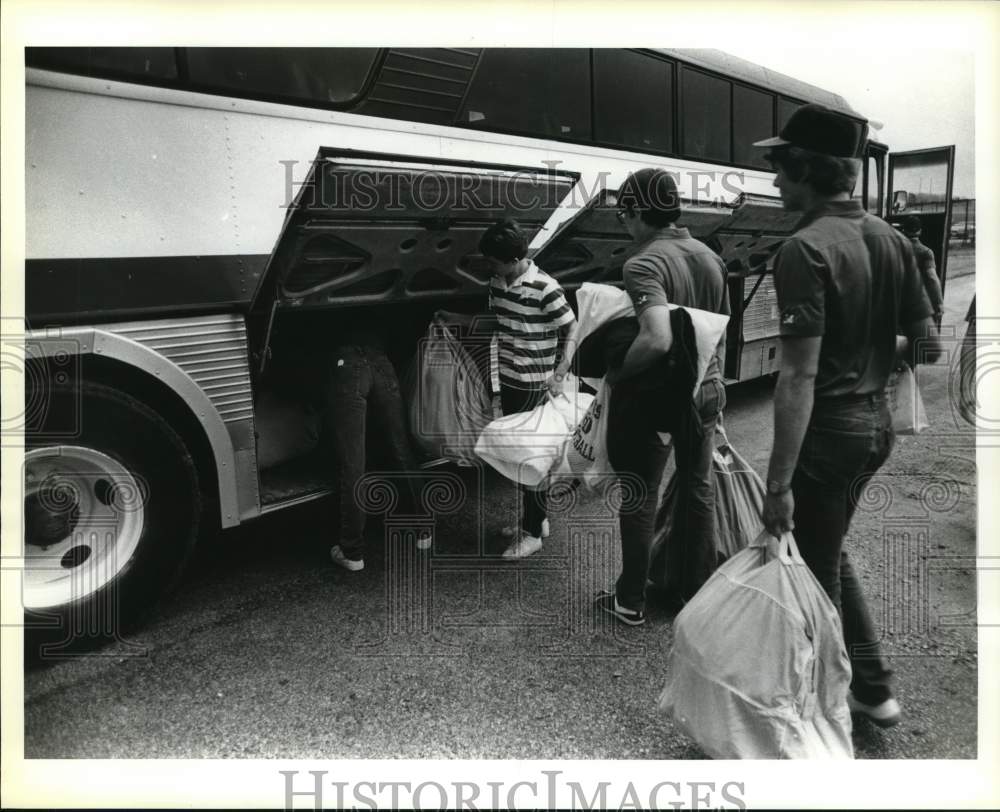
x,y
188,208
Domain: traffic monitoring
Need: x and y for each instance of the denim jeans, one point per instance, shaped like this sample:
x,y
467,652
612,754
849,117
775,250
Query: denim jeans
x,y
534,503
691,556
362,400
847,441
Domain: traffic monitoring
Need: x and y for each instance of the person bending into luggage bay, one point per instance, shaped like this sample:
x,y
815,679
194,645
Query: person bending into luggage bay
x,y
669,267
362,400
847,284
533,321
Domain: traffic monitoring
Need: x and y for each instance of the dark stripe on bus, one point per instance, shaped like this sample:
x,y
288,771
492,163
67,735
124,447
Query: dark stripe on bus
x,y
65,291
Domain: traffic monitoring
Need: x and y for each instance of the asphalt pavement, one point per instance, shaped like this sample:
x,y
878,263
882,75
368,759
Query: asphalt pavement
x,y
268,650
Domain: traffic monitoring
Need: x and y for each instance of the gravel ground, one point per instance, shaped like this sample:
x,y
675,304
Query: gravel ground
x,y
269,651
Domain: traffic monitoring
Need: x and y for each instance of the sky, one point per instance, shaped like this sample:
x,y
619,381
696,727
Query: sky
x,y
927,102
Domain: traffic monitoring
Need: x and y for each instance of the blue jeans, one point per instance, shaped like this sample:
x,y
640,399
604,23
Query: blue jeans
x,y
691,556
847,441
362,400
534,503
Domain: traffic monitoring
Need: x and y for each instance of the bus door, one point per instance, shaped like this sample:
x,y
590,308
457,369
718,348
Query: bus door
x,y
919,184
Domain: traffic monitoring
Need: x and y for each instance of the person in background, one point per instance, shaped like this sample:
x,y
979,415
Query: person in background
x,y
669,267
533,322
847,284
911,227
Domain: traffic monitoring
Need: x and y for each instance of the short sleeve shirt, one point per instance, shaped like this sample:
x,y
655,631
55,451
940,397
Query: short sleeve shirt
x,y
675,268
853,279
532,313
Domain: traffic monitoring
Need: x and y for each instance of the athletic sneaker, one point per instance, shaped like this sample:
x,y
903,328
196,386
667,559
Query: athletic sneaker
x,y
424,540
340,558
607,601
886,714
511,530
523,547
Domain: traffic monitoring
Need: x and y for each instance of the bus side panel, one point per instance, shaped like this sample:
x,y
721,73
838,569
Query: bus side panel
x,y
148,201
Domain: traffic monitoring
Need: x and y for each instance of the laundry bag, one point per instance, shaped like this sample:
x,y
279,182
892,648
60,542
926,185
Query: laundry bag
x,y
758,667
739,502
449,400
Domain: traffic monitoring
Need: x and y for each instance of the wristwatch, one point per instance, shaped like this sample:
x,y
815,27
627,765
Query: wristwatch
x,y
776,488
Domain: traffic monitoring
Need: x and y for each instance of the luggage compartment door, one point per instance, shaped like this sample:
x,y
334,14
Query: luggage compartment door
x,y
371,228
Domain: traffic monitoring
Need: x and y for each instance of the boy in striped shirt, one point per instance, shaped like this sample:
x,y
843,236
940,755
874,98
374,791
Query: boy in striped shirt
x,y
533,321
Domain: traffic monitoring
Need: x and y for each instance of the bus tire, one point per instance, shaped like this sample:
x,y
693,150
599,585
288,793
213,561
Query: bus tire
x,y
112,515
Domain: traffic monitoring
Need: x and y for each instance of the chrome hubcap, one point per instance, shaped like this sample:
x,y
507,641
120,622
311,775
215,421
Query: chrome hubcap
x,y
83,517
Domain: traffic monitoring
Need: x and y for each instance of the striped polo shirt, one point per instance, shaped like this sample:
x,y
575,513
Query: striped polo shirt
x,y
530,311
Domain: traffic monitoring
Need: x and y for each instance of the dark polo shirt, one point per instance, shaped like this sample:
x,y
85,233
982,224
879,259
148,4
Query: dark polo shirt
x,y
674,268
851,278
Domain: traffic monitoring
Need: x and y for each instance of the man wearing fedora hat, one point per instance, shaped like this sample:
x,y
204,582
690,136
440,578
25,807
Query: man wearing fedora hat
x,y
847,284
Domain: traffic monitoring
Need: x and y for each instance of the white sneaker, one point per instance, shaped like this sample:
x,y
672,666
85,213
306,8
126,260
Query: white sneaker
x,y
885,714
425,540
511,530
341,560
523,547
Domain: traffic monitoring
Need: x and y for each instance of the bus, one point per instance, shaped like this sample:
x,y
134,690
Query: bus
x,y
187,206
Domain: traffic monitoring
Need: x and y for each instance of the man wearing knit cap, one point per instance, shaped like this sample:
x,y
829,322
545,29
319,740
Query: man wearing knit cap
x,y
669,267
847,286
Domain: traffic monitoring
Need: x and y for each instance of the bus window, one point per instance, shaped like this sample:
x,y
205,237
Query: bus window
x,y
633,100
327,75
753,120
706,107
134,63
785,109
534,91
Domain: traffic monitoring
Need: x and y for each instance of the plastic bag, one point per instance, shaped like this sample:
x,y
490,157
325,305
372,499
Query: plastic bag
x,y
449,401
905,404
525,446
585,456
758,667
739,502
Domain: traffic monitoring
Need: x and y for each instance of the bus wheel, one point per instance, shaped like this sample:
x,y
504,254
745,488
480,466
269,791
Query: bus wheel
x,y
111,516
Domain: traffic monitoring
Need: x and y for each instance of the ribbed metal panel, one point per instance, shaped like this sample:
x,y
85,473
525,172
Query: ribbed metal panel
x,y
424,84
760,319
211,349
